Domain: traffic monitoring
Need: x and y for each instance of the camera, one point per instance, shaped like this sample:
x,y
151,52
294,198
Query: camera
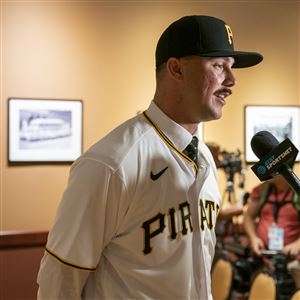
x,y
231,162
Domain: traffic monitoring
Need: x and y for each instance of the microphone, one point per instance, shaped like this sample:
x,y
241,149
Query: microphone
x,y
275,158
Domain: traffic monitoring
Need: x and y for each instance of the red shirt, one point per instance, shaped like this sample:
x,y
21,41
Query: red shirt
x,y
288,216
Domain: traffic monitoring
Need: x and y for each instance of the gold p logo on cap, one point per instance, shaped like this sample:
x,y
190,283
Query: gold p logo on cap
x,y
229,34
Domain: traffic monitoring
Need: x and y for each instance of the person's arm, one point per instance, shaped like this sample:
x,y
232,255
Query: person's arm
x,y
59,281
292,249
81,229
229,212
249,224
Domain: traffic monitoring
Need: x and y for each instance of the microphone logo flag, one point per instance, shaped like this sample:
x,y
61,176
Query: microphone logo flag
x,y
267,167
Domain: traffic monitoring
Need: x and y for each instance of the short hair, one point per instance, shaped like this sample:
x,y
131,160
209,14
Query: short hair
x,y
160,70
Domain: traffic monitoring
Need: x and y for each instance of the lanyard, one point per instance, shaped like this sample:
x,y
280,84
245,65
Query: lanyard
x,y
277,204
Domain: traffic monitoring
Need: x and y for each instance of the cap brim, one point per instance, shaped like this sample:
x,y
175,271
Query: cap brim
x,y
242,59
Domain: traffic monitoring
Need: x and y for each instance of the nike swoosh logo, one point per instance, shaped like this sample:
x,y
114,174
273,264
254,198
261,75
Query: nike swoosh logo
x,y
156,176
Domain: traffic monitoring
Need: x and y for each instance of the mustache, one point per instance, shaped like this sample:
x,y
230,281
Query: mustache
x,y
223,91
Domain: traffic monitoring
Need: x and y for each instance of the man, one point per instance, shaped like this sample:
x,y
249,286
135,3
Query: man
x,y
137,218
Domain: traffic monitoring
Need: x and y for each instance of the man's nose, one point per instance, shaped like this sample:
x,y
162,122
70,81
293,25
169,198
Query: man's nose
x,y
230,79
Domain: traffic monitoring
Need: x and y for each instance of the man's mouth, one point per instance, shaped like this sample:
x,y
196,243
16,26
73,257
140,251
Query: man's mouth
x,y
222,94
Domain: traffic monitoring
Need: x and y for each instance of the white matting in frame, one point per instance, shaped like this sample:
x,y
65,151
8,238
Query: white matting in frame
x,y
282,121
42,130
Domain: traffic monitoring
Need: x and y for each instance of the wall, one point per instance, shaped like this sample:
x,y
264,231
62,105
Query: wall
x,y
103,53
20,257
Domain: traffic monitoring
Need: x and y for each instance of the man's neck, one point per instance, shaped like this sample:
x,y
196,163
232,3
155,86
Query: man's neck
x,y
190,127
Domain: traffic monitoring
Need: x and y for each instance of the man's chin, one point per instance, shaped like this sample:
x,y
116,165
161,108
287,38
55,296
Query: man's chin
x,y
215,116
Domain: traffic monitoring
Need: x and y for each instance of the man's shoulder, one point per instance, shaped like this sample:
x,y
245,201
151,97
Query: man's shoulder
x,y
120,142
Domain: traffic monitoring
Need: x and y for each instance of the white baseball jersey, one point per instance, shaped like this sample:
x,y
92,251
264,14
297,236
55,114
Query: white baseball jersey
x,y
137,219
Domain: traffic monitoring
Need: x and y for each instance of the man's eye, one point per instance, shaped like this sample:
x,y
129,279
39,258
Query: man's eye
x,y
219,66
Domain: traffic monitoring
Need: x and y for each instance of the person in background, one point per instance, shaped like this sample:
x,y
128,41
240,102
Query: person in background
x,y
272,221
138,215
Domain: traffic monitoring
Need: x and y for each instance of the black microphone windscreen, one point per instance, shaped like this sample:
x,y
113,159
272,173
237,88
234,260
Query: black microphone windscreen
x,y
262,143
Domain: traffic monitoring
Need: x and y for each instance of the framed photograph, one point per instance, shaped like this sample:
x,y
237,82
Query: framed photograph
x,y
41,130
282,121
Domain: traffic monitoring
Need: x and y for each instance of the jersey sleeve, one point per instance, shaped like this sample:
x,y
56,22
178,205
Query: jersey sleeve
x,y
88,215
58,281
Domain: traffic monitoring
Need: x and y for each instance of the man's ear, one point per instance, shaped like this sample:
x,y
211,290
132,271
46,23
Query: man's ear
x,y
173,67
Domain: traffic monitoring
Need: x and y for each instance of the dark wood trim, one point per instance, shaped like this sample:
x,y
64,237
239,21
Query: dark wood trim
x,y
22,239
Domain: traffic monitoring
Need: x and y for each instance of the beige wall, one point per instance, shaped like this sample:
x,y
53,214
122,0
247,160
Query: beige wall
x,y
103,53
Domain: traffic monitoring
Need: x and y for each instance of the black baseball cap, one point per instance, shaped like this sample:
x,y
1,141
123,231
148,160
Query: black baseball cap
x,y
203,36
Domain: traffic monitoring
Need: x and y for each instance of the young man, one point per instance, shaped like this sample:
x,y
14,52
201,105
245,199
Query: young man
x,y
137,218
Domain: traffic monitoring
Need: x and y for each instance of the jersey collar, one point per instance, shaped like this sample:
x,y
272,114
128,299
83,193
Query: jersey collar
x,y
178,135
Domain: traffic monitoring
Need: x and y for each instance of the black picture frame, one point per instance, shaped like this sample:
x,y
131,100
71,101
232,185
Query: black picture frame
x,y
44,130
